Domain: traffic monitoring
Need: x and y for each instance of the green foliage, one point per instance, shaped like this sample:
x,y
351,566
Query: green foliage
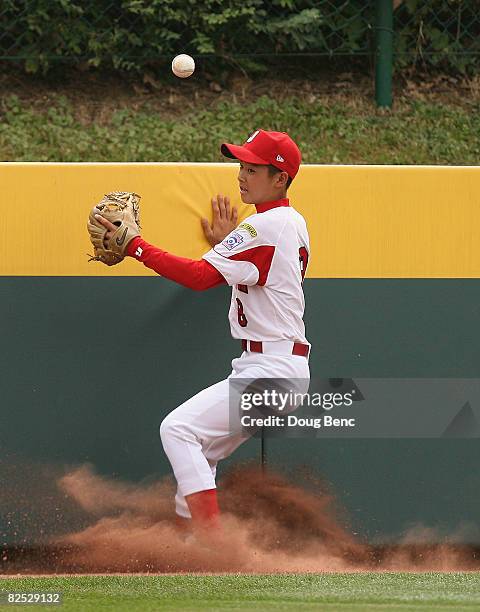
x,y
444,33
129,35
327,132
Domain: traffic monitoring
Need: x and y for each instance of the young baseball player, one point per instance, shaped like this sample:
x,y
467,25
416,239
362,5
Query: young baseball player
x,y
264,260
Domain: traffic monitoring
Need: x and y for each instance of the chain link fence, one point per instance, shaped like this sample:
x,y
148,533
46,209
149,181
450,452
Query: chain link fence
x,y
129,34
444,33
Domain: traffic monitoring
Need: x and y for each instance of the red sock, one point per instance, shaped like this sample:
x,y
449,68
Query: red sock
x,y
203,507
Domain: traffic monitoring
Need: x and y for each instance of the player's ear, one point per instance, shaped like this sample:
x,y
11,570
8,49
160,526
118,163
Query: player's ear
x,y
282,178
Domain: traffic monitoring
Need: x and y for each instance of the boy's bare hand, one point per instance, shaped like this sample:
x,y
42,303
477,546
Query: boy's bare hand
x,y
224,220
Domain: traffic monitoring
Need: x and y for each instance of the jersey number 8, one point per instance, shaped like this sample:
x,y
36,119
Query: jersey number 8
x,y
242,319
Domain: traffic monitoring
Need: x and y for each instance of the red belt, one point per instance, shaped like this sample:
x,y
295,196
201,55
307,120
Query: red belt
x,y
256,346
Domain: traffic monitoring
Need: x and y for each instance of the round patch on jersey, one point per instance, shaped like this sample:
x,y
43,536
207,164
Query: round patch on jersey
x,y
250,229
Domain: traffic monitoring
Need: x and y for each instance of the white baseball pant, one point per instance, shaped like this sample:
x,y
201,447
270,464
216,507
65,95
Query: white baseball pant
x,y
197,434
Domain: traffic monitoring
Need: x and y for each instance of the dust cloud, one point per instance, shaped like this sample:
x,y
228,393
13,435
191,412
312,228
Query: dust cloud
x,y
269,525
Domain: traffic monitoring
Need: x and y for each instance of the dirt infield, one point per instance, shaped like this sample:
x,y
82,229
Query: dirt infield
x,y
48,561
270,526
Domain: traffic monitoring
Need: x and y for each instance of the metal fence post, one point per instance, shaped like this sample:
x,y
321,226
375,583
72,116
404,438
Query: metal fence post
x,y
383,52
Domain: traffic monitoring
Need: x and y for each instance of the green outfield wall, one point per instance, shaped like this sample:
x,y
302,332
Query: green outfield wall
x,y
84,380
92,362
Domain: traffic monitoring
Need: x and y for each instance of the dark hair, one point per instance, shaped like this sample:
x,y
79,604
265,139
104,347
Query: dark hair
x,y
272,170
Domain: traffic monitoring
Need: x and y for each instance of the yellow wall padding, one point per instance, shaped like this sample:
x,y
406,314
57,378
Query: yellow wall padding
x,y
364,221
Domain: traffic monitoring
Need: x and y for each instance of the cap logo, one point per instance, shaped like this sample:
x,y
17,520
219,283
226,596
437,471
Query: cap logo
x,y
279,158
250,138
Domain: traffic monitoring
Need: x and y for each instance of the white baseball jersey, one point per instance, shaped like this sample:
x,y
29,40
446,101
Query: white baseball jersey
x,y
264,260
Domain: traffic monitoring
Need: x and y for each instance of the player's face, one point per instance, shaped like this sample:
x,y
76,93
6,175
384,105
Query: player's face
x,y
257,185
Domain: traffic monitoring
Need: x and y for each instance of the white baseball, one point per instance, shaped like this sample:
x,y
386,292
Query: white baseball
x,y
183,66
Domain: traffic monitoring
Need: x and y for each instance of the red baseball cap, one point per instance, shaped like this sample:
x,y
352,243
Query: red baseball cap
x,y
264,148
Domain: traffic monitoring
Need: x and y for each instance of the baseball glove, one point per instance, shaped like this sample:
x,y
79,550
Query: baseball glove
x,y
122,209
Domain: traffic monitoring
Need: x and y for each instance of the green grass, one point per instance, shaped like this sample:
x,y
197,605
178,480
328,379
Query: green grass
x,y
333,592
328,130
